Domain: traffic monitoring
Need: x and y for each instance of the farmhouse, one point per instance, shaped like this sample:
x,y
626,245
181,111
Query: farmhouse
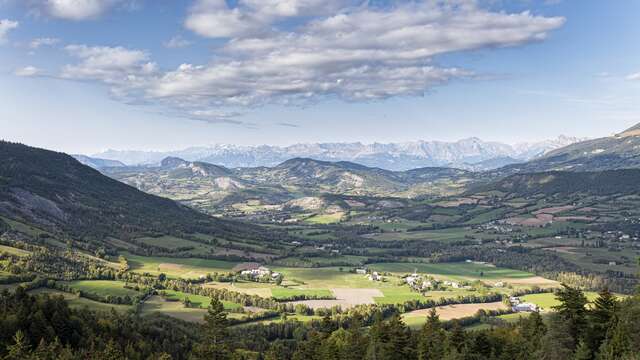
x,y
525,307
361,271
257,272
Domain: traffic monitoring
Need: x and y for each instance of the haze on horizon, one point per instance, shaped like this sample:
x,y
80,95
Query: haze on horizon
x,y
169,75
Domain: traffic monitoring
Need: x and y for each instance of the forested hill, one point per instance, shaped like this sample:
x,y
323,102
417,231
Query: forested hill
x,y
57,192
599,183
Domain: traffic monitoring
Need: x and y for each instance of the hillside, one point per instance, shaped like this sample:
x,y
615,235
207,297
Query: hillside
x,y
210,187
56,192
601,183
621,151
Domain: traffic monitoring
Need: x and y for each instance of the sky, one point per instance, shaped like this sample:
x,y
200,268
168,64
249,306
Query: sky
x,y
82,76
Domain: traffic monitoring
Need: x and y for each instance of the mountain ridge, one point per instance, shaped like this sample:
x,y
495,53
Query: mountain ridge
x,y
469,153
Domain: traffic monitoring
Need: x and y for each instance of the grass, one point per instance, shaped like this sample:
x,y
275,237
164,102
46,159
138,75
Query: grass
x,y
325,218
175,309
398,295
191,268
169,242
14,251
76,302
197,301
285,293
444,235
102,287
329,277
23,228
548,300
455,271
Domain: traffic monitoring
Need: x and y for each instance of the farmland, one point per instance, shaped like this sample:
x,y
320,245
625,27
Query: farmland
x,y
188,268
102,288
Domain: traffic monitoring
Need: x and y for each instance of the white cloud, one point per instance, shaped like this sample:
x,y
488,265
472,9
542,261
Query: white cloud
x,y
6,25
177,42
28,71
77,9
357,52
125,71
39,42
635,76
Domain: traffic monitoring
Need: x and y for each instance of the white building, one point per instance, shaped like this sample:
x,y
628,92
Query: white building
x,y
525,307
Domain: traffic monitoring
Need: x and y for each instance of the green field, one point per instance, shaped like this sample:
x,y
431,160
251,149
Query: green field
x,y
453,234
325,218
178,267
175,309
80,302
14,251
398,295
329,277
456,271
102,287
171,242
285,293
197,301
548,300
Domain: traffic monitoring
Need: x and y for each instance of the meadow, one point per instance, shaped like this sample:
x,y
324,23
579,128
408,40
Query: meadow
x,y
77,302
102,288
197,301
188,268
454,271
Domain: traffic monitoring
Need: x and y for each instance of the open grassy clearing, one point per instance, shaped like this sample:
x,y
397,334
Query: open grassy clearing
x,y
284,293
176,309
102,287
329,277
188,268
398,295
415,319
244,287
23,228
325,218
172,242
77,302
456,271
14,251
548,300
197,301
452,234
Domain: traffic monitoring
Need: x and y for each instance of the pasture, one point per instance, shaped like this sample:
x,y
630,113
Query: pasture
x,y
417,318
285,293
197,301
101,287
454,271
188,268
14,251
76,302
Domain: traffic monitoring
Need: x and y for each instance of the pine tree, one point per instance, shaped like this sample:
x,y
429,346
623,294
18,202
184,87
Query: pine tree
x,y
20,348
573,311
432,338
215,345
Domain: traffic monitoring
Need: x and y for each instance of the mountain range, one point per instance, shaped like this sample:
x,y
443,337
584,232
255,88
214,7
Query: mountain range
x,y
470,154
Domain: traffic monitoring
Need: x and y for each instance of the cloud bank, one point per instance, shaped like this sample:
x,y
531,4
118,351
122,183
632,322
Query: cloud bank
x,y
348,50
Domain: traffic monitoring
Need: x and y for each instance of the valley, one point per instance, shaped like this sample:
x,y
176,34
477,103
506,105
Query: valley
x,y
308,240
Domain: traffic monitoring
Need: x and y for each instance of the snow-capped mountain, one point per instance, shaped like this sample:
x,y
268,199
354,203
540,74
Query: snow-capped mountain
x,y
471,153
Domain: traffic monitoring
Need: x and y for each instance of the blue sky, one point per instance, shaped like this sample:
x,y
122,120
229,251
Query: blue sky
x,y
87,75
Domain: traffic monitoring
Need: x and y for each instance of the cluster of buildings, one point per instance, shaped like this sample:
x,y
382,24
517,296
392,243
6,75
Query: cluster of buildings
x,y
518,306
256,271
374,276
416,282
